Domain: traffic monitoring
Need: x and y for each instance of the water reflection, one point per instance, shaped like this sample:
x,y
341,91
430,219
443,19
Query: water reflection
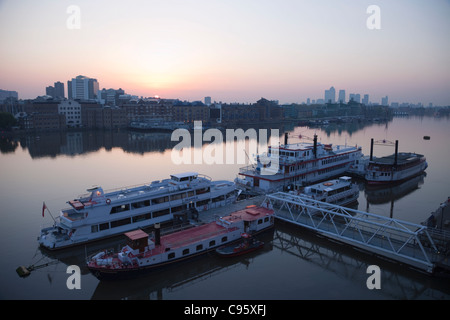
x,y
72,143
346,263
161,283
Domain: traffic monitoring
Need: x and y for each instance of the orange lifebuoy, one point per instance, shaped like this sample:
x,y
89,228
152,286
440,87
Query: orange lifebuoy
x,y
108,201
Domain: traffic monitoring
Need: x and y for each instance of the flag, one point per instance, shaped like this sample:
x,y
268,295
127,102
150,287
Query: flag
x,y
43,208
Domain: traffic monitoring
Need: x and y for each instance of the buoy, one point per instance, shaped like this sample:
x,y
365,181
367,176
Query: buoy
x,y
23,272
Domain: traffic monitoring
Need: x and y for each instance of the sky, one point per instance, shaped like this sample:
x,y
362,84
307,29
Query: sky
x,y
232,51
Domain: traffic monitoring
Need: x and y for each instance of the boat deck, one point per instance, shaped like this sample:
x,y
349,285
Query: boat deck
x,y
192,235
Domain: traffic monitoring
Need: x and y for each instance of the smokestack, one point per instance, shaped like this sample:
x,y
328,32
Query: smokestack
x,y
371,149
315,146
285,139
396,153
157,234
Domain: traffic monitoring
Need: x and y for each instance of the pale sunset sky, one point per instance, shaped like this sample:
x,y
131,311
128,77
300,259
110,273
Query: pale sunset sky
x,y
233,51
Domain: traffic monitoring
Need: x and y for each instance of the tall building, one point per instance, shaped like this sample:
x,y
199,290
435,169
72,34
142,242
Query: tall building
x,y
342,96
208,101
356,97
50,91
330,95
59,90
82,88
384,101
365,100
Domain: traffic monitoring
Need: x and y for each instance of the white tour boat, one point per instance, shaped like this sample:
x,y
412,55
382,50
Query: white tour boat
x,y
298,163
145,252
340,191
102,214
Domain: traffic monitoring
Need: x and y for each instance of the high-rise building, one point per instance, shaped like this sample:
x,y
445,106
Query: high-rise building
x,y
365,100
83,88
50,91
59,90
384,101
208,101
330,95
342,96
356,97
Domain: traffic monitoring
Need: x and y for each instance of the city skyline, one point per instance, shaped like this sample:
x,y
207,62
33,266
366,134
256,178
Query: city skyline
x,y
233,52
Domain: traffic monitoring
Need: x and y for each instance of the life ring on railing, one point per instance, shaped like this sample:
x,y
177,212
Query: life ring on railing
x,y
108,201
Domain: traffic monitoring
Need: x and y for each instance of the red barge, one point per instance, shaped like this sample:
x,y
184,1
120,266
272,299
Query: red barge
x,y
144,252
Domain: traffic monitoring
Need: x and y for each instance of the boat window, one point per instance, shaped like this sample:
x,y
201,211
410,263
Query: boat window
x,y
140,204
266,219
161,213
219,198
142,217
121,222
224,239
178,196
179,208
94,228
202,203
202,190
260,221
185,251
212,243
190,193
121,208
171,255
160,200
199,247
104,226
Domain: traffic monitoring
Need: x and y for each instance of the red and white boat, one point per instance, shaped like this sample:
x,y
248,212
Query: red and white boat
x,y
145,252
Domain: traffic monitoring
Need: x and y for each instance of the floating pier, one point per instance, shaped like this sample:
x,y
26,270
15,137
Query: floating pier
x,y
396,240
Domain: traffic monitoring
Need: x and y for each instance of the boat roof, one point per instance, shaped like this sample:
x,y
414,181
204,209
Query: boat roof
x,y
184,174
330,185
250,213
136,234
402,157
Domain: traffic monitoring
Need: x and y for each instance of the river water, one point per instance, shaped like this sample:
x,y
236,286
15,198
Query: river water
x,y
294,264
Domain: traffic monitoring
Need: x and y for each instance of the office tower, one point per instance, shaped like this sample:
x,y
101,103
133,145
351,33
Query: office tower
x,y
384,101
365,100
50,91
342,96
59,90
356,97
83,88
330,95
208,101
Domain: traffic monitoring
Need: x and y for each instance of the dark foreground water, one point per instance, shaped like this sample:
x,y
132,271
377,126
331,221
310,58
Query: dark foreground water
x,y
293,265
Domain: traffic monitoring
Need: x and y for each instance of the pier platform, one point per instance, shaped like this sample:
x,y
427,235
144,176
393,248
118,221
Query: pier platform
x,y
391,239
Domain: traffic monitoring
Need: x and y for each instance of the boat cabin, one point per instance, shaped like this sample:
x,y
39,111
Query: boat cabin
x,y
184,177
137,240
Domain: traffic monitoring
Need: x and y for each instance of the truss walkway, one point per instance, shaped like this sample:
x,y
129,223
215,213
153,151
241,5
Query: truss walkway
x,y
397,240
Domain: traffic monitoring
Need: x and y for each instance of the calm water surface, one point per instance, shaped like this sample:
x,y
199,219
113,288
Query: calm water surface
x,y
294,264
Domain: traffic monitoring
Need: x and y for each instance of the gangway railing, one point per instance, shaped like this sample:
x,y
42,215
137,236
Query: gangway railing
x,y
398,240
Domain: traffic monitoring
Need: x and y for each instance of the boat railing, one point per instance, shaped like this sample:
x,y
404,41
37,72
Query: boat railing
x,y
127,189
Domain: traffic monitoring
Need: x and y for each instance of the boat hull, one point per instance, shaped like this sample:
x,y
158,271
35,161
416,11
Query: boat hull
x,y
228,251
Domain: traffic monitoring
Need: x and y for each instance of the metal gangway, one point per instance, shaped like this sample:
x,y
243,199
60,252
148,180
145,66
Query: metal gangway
x,y
397,240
